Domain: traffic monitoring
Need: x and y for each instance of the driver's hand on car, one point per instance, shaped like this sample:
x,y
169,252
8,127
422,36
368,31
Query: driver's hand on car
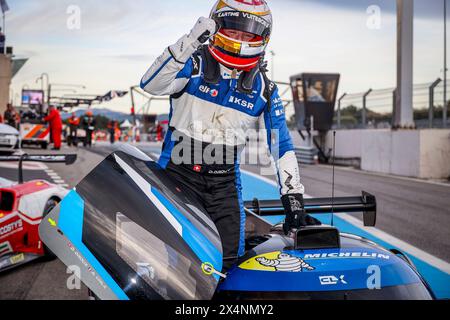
x,y
296,216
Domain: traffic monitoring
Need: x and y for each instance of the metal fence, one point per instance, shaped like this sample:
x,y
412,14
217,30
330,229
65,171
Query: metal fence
x,y
369,109
373,108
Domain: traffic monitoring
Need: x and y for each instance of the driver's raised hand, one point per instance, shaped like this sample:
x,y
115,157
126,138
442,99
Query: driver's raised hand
x,y
203,29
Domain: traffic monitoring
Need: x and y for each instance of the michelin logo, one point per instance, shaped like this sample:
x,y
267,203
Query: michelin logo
x,y
337,255
286,263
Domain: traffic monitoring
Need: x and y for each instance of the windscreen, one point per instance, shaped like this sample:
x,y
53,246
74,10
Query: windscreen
x,y
141,234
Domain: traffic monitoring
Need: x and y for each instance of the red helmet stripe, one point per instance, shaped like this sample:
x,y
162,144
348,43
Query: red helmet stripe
x,y
234,62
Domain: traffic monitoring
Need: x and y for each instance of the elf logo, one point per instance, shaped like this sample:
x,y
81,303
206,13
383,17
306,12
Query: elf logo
x,y
212,92
242,102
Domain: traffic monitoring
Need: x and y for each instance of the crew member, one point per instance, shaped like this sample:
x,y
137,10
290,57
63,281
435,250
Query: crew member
x,y
74,123
55,122
219,92
112,131
117,131
10,116
89,126
159,132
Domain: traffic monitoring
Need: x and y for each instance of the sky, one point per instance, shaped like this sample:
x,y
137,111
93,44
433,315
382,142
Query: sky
x,y
115,41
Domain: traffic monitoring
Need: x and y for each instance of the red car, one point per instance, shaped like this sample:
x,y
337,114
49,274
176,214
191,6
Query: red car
x,y
23,205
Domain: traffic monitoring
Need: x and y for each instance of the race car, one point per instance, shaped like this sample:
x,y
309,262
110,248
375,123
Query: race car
x,y
319,262
9,139
23,205
134,233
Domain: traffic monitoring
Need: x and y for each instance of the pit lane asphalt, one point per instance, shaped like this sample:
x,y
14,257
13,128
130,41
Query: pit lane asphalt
x,y
414,211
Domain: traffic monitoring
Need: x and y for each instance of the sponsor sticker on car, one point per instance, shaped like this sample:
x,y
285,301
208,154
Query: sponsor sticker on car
x,y
332,280
17,258
11,228
5,247
276,262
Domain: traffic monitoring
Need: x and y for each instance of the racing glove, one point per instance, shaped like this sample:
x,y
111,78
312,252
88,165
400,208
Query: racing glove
x,y
296,217
188,44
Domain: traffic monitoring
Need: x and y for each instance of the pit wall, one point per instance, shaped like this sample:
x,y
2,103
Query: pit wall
x,y
411,153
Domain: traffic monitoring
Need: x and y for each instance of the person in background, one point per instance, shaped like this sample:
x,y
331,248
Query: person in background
x,y
117,131
55,122
74,123
2,42
159,131
112,131
10,116
89,127
18,119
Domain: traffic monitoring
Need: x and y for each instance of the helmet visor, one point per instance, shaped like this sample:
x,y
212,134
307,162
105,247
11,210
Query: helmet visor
x,y
238,47
243,21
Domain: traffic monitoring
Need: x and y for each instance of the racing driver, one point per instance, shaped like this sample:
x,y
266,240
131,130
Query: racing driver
x,y
218,92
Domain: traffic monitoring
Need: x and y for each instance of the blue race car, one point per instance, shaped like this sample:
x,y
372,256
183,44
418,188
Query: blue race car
x,y
133,233
320,263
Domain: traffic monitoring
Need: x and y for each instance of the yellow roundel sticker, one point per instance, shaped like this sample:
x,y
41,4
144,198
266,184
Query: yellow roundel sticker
x,y
276,262
254,264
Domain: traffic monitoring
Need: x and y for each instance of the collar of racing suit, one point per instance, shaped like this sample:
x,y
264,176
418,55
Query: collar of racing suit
x,y
227,73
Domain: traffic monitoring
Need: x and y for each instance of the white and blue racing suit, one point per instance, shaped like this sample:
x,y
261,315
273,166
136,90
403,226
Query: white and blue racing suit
x,y
218,114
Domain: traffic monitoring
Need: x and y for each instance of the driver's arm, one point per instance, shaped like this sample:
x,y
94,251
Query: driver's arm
x,y
171,71
282,150
281,147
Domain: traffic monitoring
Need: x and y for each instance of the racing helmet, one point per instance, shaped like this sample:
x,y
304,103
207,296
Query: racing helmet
x,y
244,28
